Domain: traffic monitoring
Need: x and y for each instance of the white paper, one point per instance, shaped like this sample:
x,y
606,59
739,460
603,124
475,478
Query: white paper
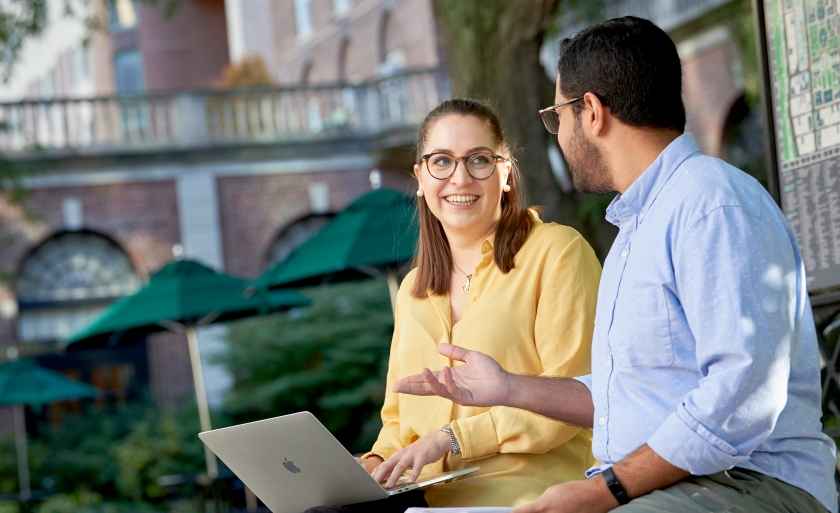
x,y
458,510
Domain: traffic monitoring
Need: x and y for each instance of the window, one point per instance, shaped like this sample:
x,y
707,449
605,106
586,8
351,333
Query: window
x,y
79,65
342,7
303,18
68,280
128,72
122,15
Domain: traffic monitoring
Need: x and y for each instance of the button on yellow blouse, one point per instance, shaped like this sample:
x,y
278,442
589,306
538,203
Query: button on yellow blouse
x,y
536,320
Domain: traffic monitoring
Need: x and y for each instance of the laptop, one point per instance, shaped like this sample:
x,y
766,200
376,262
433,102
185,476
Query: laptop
x,y
292,463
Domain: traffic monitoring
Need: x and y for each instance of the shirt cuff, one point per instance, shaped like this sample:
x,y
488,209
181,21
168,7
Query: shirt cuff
x,y
586,380
477,436
378,452
685,443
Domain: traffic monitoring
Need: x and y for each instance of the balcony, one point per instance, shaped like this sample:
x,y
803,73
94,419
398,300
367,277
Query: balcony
x,y
196,120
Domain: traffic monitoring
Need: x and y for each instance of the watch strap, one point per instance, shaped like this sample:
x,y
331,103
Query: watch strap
x,y
615,487
456,447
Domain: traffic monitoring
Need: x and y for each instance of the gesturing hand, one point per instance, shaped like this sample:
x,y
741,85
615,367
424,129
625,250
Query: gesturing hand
x,y
481,381
427,449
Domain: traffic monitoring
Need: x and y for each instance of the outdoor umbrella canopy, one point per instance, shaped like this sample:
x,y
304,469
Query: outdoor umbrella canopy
x,y
23,382
180,297
183,292
373,236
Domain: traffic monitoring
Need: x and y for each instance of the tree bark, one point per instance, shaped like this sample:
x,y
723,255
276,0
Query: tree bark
x,y
492,51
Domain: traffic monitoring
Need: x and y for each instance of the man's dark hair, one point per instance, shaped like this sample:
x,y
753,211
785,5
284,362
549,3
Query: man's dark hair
x,y
632,66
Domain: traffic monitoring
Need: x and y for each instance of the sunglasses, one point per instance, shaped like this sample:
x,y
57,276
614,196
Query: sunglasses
x,y
550,117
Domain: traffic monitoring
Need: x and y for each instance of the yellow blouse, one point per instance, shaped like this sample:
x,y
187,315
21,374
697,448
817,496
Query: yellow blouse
x,y
538,319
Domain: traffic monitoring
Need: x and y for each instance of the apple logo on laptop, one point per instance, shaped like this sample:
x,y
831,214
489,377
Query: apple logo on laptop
x,y
290,466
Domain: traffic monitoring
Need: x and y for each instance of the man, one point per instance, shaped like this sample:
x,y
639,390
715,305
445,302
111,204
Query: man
x,y
704,394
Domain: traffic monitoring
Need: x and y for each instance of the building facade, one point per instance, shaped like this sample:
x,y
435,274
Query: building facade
x,y
154,157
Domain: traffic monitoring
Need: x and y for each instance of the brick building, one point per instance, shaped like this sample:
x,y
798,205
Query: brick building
x,y
234,179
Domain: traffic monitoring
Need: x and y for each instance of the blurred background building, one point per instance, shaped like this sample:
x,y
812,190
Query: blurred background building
x,y
230,131
141,147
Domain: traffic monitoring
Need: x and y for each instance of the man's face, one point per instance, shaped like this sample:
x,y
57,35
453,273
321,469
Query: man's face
x,y
586,160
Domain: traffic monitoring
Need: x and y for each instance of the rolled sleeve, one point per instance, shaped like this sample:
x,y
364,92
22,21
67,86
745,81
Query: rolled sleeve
x,y
586,380
685,443
743,341
477,436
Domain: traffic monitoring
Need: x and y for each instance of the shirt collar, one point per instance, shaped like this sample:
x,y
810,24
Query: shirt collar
x,y
487,245
642,193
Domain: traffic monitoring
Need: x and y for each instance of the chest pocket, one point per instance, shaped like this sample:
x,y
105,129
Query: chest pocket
x,y
640,335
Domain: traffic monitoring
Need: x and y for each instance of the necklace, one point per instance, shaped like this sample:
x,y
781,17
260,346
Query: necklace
x,y
466,287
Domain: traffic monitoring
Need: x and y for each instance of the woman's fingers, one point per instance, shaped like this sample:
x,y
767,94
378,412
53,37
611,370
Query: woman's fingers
x,y
397,472
416,469
384,469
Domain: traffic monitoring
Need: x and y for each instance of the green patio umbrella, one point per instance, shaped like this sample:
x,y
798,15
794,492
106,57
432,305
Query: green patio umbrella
x,y
372,237
180,297
24,382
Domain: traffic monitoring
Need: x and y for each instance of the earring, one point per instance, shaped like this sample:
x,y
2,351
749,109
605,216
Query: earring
x,y
506,188
419,193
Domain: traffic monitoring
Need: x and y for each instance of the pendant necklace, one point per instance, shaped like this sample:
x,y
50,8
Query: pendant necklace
x,y
466,287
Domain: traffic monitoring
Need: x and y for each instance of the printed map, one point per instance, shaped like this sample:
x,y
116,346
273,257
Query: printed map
x,y
803,39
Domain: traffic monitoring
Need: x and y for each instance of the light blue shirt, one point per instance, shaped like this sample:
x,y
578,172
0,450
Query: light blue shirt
x,y
704,345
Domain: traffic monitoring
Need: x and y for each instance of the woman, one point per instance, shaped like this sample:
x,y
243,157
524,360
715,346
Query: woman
x,y
491,277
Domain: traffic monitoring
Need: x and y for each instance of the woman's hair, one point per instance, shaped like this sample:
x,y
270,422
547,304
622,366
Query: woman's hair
x,y
433,258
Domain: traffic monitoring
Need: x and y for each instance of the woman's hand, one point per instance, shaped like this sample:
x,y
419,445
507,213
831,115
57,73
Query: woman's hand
x,y
370,463
427,449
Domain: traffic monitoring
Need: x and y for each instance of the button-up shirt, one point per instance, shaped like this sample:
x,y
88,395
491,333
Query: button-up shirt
x,y
704,345
536,319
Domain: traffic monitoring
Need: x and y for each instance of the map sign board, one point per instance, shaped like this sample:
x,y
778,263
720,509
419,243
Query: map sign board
x,y
802,70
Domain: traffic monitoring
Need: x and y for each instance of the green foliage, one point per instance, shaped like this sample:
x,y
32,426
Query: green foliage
x,y
742,27
108,458
330,359
20,20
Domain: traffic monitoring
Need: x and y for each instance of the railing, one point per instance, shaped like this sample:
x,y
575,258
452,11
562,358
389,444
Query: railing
x,y
127,123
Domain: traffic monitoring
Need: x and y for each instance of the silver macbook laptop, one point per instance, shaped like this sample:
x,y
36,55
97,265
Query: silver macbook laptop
x,y
293,463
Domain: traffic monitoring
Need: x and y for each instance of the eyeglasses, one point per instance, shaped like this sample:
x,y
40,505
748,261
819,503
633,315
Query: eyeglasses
x,y
479,165
550,117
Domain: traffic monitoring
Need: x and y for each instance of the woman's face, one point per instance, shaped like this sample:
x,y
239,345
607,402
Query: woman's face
x,y
461,203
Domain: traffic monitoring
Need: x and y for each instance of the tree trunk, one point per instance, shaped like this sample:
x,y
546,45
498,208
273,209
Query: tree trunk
x,y
492,50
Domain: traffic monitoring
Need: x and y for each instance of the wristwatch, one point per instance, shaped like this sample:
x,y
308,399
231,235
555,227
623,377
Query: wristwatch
x,y
615,487
456,447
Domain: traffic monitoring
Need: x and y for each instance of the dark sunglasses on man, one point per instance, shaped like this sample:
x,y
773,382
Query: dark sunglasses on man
x,y
550,117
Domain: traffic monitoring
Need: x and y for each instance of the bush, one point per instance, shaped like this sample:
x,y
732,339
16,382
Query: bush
x,y
330,359
108,458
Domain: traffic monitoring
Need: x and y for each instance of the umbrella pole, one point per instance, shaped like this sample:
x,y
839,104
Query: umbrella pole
x,y
201,398
393,287
22,455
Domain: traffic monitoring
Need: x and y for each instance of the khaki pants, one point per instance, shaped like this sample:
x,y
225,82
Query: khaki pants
x,y
736,490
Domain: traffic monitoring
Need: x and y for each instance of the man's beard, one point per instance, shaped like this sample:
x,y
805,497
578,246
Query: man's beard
x,y
587,164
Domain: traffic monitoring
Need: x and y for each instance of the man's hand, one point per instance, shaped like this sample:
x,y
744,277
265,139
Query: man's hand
x,y
591,495
427,449
481,381
370,463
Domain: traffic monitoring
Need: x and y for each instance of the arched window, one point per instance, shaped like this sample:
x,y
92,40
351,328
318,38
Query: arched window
x,y
294,235
66,281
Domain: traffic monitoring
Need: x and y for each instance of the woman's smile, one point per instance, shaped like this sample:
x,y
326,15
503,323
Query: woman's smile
x,y
461,200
